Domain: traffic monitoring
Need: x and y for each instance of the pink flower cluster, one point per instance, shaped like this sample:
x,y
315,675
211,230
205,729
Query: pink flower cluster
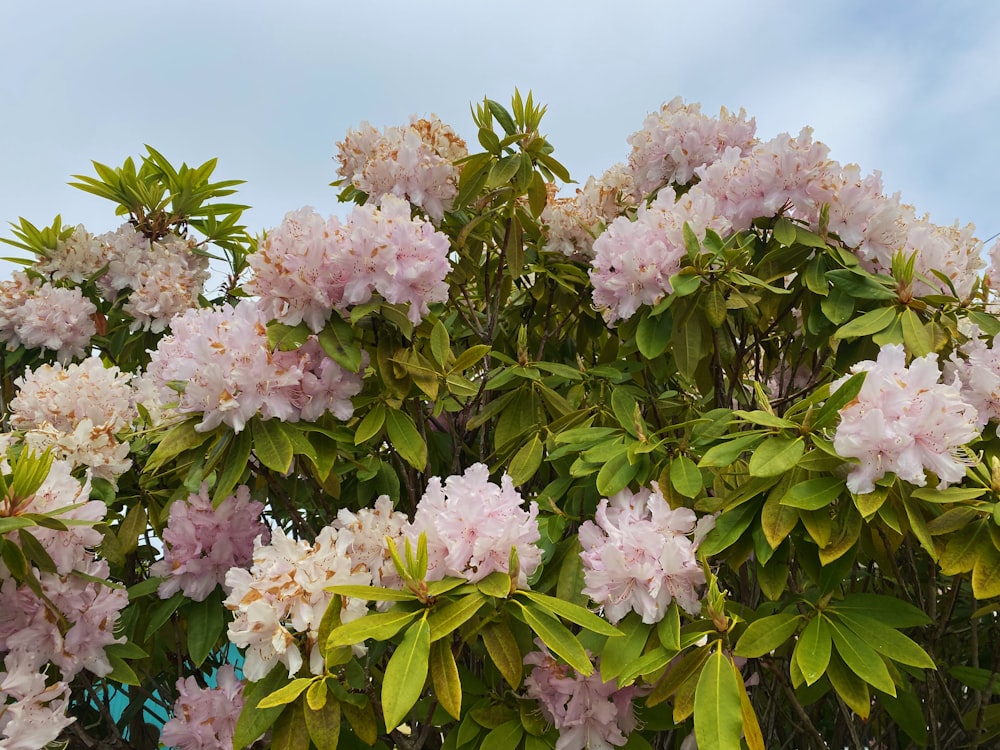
x,y
309,266
80,412
32,712
976,367
161,278
634,260
414,162
42,316
279,603
745,179
68,624
905,421
202,543
471,524
573,223
220,362
205,718
588,712
639,555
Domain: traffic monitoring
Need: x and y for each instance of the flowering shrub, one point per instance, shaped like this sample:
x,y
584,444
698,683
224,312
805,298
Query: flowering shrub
x,y
703,452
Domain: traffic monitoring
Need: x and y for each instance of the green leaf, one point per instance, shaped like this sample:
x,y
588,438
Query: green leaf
x,y
406,673
290,730
717,714
121,672
726,453
505,737
271,445
337,340
653,335
253,720
669,628
685,476
469,357
504,652
892,611
286,694
526,461
572,612
872,322
179,439
206,622
861,658
917,339
616,473
324,724
444,677
445,619
620,653
287,338
362,720
371,425
775,456
374,593
496,584
405,439
380,626
766,634
557,637
812,651
233,466
849,686
440,344
784,231
814,494
886,640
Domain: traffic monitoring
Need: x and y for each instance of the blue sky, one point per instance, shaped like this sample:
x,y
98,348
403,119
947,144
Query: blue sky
x,y
908,88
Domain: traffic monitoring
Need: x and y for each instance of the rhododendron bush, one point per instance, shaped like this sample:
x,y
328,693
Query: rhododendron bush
x,y
702,452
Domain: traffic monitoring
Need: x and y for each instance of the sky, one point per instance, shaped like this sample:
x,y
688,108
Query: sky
x,y
911,89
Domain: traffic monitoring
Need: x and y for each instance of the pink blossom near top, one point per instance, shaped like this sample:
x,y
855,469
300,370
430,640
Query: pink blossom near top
x,y
588,712
905,421
414,162
634,260
471,524
205,718
678,139
202,543
308,267
639,555
573,223
81,412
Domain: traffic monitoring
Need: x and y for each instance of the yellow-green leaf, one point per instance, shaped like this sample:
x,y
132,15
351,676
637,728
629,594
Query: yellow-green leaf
x,y
324,725
502,647
405,439
718,721
405,674
444,677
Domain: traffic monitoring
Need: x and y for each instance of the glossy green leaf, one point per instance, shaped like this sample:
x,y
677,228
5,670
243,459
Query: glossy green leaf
x,y
775,456
861,658
406,673
206,623
380,626
814,494
444,619
557,637
652,336
505,737
572,612
685,476
445,679
504,652
812,651
253,720
286,694
271,445
405,439
717,714
886,640
290,730
324,725
621,653
766,634
526,461
872,322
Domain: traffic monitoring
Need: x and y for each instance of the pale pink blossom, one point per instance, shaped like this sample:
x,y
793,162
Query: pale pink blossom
x,y
205,718
369,528
471,524
588,712
32,712
634,260
639,555
678,139
905,421
414,163
202,543
42,316
79,257
573,223
279,603
308,267
976,366
82,412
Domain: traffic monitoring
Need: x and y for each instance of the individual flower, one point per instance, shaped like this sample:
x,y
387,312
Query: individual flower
x,y
202,543
573,223
635,260
904,421
639,555
80,412
205,718
279,603
415,163
471,524
587,712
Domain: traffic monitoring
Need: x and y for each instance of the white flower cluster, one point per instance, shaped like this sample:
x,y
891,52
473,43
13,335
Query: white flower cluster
x,y
573,223
42,316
